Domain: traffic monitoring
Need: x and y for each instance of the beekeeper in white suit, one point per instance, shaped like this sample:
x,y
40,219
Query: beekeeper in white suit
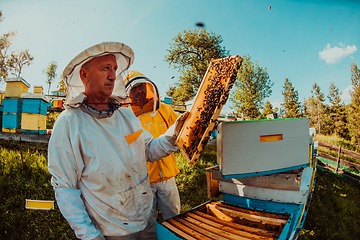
x,y
98,151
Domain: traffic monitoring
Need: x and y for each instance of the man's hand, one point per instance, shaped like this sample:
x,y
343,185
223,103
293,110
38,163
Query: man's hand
x,y
180,122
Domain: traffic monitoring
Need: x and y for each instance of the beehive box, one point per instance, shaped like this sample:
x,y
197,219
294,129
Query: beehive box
x,y
1,97
57,103
34,111
16,86
35,103
260,147
11,121
209,100
286,187
33,123
220,220
38,89
12,105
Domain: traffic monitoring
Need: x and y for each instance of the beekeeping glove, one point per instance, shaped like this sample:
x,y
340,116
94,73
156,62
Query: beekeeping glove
x,y
174,130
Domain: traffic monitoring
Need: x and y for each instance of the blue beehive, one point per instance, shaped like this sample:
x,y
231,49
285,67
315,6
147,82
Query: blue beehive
x,y
36,106
12,105
11,121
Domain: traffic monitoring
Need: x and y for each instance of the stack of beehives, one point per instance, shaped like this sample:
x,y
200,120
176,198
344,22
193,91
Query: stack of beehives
x,y
24,112
12,103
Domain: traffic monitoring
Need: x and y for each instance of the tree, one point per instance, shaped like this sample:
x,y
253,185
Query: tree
x,y
62,85
337,112
190,53
315,107
5,44
291,103
50,73
268,109
354,108
251,87
18,60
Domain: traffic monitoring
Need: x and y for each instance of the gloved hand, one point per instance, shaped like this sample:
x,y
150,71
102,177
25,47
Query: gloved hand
x,y
174,130
180,122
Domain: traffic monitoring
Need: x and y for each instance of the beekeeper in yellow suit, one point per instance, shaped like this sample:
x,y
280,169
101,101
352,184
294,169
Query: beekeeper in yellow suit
x,y
156,117
98,150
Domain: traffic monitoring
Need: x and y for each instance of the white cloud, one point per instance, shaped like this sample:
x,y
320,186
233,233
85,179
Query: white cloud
x,y
335,54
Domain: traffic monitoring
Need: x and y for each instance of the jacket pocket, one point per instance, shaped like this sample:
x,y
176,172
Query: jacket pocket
x,y
135,204
132,137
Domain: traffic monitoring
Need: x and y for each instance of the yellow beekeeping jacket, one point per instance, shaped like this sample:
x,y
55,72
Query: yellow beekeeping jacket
x,y
157,122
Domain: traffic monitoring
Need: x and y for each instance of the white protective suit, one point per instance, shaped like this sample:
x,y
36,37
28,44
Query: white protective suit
x,y
99,171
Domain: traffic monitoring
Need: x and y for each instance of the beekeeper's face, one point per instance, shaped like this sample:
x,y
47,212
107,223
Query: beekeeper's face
x,y
138,92
98,76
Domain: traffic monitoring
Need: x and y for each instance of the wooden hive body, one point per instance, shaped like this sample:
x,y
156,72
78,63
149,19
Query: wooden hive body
x,y
269,196
259,147
11,120
38,89
34,111
15,87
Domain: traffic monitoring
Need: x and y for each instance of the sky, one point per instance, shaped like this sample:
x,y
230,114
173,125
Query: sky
x,y
306,41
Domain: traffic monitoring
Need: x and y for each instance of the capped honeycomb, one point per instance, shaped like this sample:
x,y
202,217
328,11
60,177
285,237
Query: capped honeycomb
x,y
209,100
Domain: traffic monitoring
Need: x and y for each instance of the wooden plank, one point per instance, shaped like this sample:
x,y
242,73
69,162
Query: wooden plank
x,y
220,215
336,149
251,217
214,229
39,204
267,194
205,232
349,174
233,225
212,185
177,231
238,233
25,137
342,162
254,212
187,230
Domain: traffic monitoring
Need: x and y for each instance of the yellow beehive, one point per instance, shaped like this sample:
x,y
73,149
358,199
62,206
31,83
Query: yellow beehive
x,y
1,97
11,130
38,89
33,123
16,86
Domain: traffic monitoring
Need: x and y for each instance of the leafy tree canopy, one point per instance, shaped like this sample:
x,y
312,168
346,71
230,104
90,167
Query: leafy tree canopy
x,y
354,108
291,103
190,53
268,109
50,73
251,87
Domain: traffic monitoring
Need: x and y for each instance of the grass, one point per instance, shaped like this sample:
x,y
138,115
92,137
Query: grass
x,y
191,181
334,210
25,176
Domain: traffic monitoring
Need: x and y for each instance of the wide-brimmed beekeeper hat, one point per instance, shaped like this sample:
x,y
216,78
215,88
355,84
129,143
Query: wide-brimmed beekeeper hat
x,y
124,58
